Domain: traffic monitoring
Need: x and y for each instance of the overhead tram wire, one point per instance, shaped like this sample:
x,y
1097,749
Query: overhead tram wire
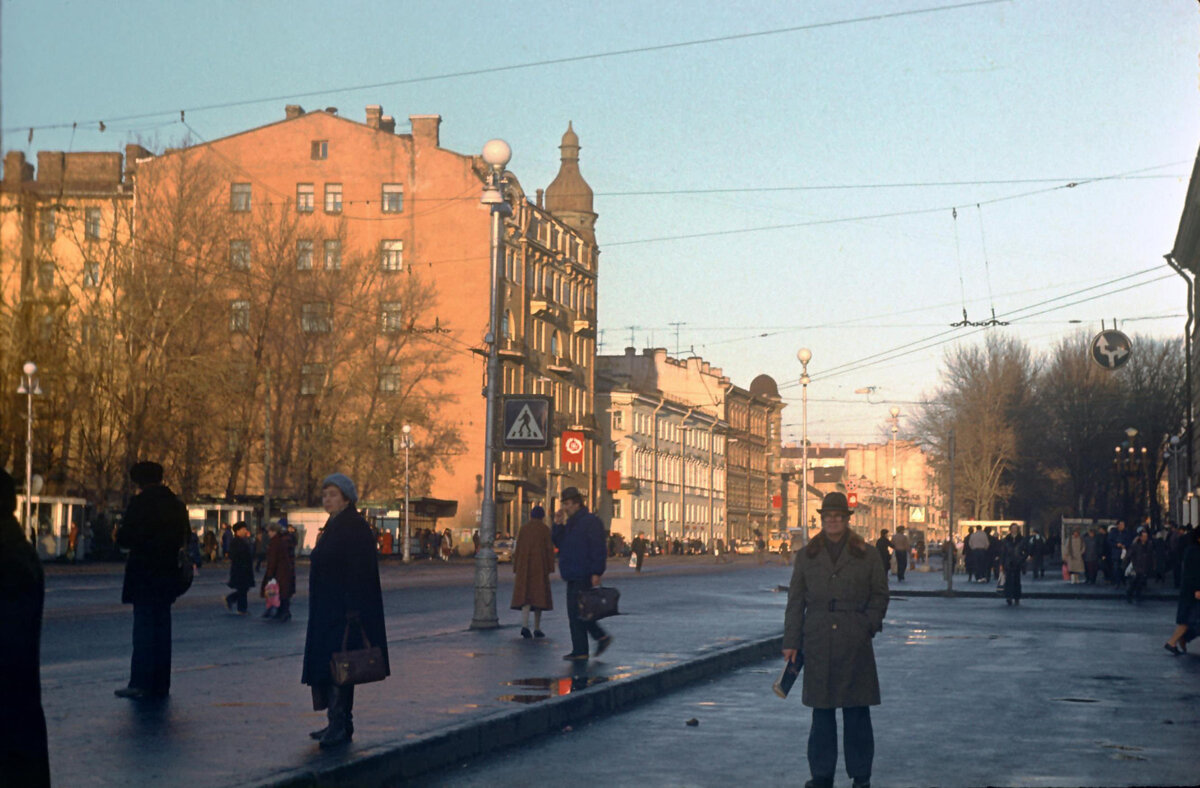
x,y
521,66
938,339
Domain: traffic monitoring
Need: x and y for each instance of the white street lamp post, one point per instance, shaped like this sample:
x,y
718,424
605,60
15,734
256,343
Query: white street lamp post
x,y
407,549
496,154
29,387
895,411
804,356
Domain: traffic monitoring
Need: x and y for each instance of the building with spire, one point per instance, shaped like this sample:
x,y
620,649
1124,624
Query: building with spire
x,y
347,267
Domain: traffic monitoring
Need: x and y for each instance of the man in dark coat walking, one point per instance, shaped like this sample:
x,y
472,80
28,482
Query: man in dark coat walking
x,y
1012,560
836,604
241,568
884,546
155,528
24,756
582,559
343,593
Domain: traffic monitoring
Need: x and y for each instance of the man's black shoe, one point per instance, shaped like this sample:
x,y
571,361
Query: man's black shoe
x,y
861,784
575,657
133,693
603,643
819,782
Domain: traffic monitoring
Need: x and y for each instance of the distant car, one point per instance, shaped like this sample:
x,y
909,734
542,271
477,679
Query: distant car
x,y
744,547
504,549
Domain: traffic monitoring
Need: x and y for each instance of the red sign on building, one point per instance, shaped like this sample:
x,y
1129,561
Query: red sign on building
x,y
852,500
612,481
573,444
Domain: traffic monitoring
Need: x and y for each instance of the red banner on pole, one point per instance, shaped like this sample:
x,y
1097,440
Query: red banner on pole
x,y
572,446
613,481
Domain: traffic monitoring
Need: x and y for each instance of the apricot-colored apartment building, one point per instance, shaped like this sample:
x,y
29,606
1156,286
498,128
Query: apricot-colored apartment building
x,y
403,201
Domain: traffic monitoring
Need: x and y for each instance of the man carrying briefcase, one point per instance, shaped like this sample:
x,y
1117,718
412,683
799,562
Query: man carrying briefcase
x,y
582,554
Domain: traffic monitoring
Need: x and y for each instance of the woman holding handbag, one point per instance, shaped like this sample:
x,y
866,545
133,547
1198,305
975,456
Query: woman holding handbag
x,y
345,606
281,567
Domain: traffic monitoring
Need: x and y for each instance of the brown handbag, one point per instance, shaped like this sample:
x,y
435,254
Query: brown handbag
x,y
361,666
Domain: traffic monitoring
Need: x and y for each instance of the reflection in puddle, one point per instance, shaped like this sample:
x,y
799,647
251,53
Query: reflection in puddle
x,y
539,689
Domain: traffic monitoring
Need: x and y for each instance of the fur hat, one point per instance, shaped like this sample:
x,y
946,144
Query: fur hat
x,y
537,513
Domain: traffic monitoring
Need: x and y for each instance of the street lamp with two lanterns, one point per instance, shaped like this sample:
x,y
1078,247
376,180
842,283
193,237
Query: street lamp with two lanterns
x,y
30,388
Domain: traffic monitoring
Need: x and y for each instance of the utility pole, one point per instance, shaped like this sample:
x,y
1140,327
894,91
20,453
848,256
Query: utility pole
x,y
949,561
266,516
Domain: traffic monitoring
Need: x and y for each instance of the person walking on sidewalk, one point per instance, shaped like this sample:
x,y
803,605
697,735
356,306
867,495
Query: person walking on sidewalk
x,y
1036,546
836,603
343,595
884,546
533,561
1141,560
155,528
281,567
1074,556
1012,561
1189,593
901,547
241,568
24,753
639,551
581,562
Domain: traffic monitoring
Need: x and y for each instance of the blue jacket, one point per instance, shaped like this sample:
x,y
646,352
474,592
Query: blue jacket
x,y
581,546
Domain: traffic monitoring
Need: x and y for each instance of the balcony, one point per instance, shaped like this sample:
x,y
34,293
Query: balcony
x,y
584,327
509,348
560,365
541,305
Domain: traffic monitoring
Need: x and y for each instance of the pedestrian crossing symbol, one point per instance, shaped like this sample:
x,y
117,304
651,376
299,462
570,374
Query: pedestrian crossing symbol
x,y
527,423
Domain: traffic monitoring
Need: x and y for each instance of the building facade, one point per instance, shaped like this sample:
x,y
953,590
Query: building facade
x,y
331,285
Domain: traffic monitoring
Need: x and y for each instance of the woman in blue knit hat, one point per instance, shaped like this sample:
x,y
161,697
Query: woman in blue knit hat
x,y
343,592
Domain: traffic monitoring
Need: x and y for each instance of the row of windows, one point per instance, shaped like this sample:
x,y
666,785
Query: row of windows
x,y
47,271
314,378
391,199
692,437
695,472
48,224
668,511
316,317
391,255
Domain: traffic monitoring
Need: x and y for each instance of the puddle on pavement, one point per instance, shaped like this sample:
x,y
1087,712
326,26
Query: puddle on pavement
x,y
920,636
535,690
1077,700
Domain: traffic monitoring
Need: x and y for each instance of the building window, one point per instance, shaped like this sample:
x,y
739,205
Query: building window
x,y
506,325
616,509
618,420
315,317
304,255
391,255
393,198
554,344
239,317
239,197
391,317
312,379
91,274
304,197
48,227
91,224
239,255
333,198
333,255
89,331
46,328
45,275
320,149
389,379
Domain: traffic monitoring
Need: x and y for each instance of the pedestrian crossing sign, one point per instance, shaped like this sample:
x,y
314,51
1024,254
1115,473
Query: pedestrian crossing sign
x,y
526,424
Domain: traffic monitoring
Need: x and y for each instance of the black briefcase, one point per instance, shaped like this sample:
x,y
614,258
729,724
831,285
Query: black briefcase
x,y
597,603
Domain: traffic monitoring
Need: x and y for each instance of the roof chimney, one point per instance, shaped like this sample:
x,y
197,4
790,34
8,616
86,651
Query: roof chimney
x,y
425,129
293,111
374,113
16,169
387,123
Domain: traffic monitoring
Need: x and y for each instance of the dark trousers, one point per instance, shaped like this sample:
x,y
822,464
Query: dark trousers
x,y
1090,568
857,736
1039,567
1012,583
901,565
580,629
1137,584
238,596
150,667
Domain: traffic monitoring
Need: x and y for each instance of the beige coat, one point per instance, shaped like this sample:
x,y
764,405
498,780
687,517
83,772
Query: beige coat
x,y
1074,553
833,611
533,562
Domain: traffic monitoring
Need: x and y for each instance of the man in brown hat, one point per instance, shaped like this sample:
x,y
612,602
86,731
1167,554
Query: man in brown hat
x,y
836,604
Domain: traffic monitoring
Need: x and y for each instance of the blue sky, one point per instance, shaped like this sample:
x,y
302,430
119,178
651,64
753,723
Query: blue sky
x,y
1009,101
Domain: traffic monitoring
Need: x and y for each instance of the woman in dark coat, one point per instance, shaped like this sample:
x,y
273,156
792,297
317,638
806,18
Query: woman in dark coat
x,y
281,565
241,568
24,756
1189,593
1012,560
343,592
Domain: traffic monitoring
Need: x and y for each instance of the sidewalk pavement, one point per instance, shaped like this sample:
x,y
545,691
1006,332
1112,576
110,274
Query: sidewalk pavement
x,y
455,693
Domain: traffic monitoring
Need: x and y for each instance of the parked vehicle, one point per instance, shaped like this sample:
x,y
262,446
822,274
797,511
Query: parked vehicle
x,y
504,549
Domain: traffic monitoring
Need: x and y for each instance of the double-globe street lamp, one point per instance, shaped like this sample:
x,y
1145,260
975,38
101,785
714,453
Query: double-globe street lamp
x,y
1172,451
30,388
804,355
496,155
1129,463
895,411
407,440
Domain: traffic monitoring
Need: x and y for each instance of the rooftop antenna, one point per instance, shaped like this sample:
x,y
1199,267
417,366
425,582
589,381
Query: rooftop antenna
x,y
676,325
